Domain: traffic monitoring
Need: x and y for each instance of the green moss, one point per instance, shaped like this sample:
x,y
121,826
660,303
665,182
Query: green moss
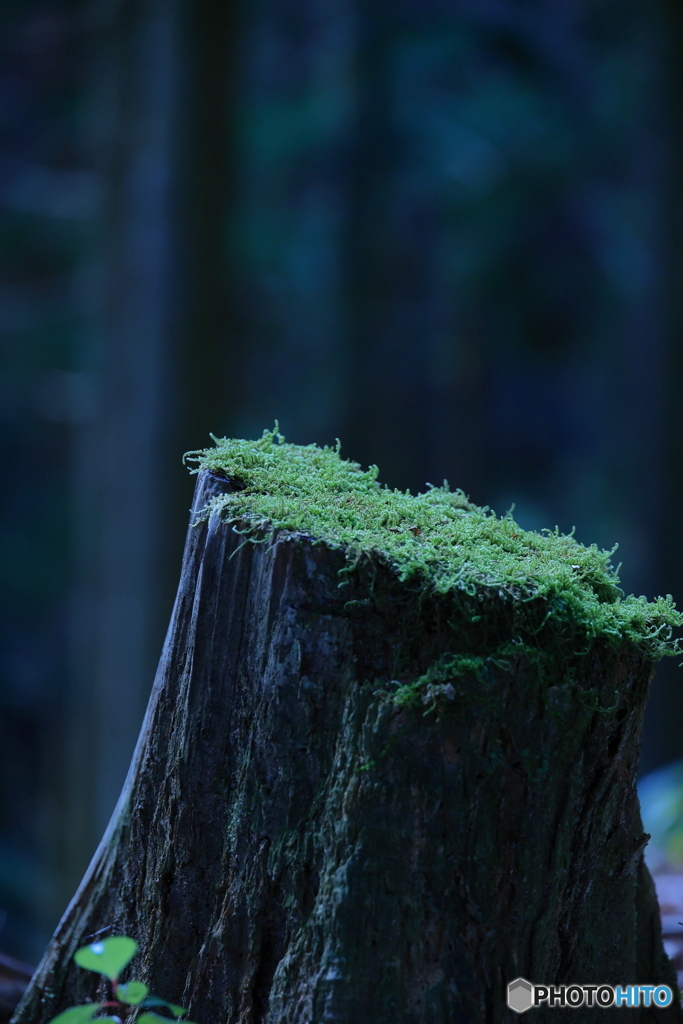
x,y
438,681
445,683
438,541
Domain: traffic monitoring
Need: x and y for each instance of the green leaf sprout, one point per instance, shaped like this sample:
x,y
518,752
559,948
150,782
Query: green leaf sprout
x,y
109,957
77,1014
132,993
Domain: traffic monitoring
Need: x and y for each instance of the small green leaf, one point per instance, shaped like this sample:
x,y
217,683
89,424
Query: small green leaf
x,y
77,1014
176,1010
154,1018
107,957
132,993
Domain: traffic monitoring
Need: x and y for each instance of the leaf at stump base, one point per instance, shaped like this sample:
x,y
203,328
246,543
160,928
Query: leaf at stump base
x,y
77,1014
107,957
132,993
155,1018
176,1010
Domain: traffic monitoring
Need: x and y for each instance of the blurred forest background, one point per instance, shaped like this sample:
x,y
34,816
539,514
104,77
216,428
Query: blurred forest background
x,y
448,232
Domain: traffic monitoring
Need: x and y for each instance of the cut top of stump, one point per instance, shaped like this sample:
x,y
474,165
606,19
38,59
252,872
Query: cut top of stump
x,y
519,583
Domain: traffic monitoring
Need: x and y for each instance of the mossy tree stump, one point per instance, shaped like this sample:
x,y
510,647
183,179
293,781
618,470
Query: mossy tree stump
x,y
377,803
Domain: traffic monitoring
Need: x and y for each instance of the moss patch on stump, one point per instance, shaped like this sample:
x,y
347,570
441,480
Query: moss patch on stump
x,y
439,543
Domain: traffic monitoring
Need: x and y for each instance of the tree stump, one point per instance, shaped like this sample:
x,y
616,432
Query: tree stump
x,y
347,806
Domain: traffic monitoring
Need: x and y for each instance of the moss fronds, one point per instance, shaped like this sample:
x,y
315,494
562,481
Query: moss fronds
x,y
437,682
437,540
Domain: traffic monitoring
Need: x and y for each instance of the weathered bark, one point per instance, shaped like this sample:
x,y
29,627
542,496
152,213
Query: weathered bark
x,y
291,846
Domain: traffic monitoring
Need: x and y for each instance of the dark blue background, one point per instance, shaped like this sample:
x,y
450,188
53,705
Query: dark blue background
x,y
448,233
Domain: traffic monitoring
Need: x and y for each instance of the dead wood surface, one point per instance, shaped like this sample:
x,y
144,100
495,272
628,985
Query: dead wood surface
x,y
292,848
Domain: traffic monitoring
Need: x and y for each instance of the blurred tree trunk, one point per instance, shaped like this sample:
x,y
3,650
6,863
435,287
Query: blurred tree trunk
x,y
400,329
118,608
158,127
292,846
662,740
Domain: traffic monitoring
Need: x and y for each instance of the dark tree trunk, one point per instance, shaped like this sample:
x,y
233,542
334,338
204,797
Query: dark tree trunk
x,y
292,846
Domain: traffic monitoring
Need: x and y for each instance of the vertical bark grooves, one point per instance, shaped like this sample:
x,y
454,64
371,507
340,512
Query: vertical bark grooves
x,y
291,847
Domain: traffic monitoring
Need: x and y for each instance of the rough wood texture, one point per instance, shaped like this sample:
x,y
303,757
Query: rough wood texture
x,y
292,848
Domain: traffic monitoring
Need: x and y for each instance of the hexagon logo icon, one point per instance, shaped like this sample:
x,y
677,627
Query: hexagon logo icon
x,y
520,995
